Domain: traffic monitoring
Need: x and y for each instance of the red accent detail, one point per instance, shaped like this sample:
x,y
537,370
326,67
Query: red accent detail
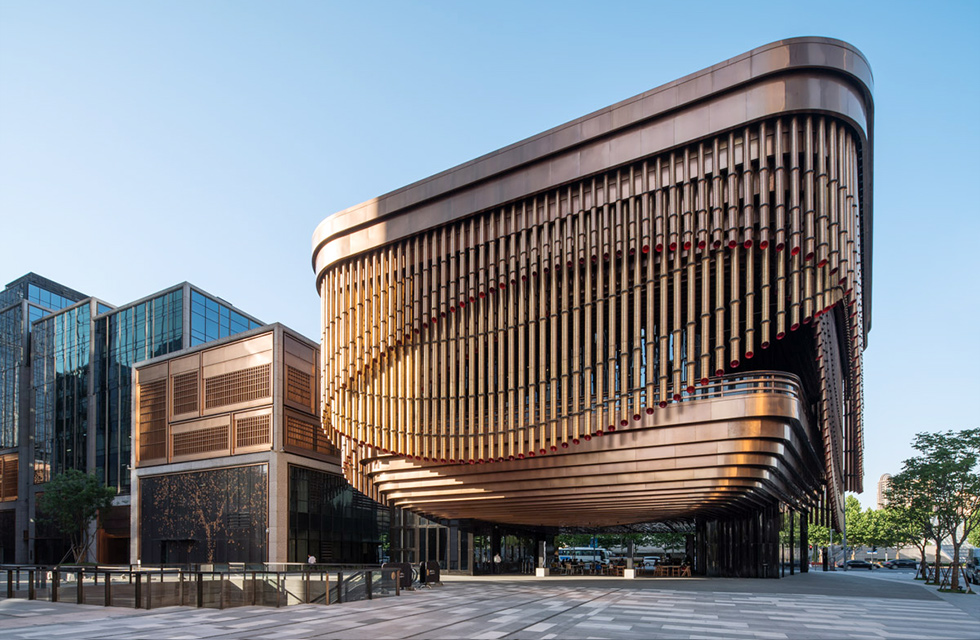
x,y
732,244
690,388
794,326
569,264
483,295
808,257
598,433
502,285
523,278
534,274
677,397
645,248
472,461
649,411
574,440
807,320
544,452
581,260
636,416
748,355
462,303
520,456
619,253
425,325
452,461
546,269
564,445
472,299
663,403
443,460
687,246
716,244
554,448
704,381
452,309
780,335
594,258
822,263
587,437
747,244
764,244
702,244
605,256
611,428
673,246
491,289
513,280
733,364
719,372
425,459
510,457
632,251
623,423
480,461
780,246
659,247
795,251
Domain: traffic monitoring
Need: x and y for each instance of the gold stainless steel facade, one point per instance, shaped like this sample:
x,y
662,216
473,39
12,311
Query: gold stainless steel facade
x,y
654,312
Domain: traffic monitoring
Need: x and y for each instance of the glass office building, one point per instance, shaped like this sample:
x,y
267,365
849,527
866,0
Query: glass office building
x,y
67,359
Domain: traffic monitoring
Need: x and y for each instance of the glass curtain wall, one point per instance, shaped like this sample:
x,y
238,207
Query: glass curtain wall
x,y
126,336
61,371
331,521
211,320
11,357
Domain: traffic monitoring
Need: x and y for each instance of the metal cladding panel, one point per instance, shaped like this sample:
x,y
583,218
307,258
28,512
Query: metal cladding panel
x,y
619,275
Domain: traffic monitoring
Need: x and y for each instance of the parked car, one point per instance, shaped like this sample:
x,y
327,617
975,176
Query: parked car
x,y
649,561
901,563
857,564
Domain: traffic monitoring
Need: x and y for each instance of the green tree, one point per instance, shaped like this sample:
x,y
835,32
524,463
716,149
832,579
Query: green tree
x,y
70,502
940,488
856,525
907,527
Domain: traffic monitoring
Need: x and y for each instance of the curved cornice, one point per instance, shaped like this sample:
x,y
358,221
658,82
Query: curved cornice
x,y
817,75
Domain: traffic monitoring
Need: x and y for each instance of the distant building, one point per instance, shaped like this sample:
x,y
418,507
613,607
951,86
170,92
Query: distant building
x,y
883,483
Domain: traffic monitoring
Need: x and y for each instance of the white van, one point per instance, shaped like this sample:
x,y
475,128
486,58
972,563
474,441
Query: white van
x,y
585,554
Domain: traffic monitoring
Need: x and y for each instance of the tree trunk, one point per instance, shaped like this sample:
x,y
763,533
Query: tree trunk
x,y
939,561
954,582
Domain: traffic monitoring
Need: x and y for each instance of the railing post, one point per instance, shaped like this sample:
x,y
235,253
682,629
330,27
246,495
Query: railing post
x,y
108,589
368,578
278,590
180,587
221,590
80,591
31,588
253,588
149,591
398,582
326,588
10,583
55,583
306,577
340,587
200,589
139,590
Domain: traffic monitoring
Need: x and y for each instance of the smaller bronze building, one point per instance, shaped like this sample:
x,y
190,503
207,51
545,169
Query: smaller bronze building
x,y
230,463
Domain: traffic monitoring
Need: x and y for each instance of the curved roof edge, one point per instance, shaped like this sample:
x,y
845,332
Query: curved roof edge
x,y
472,186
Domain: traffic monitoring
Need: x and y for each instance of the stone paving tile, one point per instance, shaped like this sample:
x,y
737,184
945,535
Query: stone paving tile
x,y
544,610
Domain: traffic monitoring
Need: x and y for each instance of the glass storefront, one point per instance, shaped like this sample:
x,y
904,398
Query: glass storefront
x,y
331,521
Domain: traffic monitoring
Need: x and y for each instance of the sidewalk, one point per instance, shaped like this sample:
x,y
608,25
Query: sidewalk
x,y
807,606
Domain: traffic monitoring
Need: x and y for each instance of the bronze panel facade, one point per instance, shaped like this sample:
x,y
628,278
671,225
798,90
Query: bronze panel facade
x,y
681,277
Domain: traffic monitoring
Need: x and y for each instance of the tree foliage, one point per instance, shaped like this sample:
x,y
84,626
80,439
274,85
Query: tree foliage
x,y
938,491
70,502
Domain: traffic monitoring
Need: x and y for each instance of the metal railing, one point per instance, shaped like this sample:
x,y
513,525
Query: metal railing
x,y
230,586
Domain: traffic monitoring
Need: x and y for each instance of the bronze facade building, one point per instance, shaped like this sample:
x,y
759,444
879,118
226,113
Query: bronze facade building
x,y
655,312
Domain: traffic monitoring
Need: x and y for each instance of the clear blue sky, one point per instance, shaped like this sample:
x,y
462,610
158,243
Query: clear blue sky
x,y
147,143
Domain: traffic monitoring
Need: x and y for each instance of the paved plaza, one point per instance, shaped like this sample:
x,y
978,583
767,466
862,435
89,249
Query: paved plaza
x,y
818,605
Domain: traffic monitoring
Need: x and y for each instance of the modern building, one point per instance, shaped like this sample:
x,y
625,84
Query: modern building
x,y
67,395
230,463
655,312
884,482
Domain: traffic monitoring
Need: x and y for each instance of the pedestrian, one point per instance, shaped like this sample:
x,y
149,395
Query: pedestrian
x,y
496,563
311,560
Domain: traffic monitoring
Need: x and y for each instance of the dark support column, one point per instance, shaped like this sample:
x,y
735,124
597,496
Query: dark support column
x,y
792,542
804,543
